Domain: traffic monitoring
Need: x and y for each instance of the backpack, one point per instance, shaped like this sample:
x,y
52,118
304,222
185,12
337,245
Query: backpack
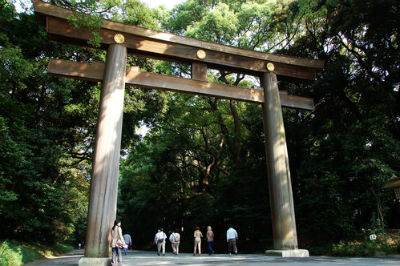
x,y
177,238
160,238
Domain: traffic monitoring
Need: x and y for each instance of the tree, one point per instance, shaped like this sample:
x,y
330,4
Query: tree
x,y
202,162
47,129
331,152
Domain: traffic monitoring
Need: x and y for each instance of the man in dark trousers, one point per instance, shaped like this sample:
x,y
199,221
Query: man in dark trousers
x,y
231,238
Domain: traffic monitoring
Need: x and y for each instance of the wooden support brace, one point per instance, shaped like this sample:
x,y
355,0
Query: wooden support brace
x,y
94,72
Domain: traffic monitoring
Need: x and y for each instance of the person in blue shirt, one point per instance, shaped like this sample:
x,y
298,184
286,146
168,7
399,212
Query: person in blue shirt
x,y
231,239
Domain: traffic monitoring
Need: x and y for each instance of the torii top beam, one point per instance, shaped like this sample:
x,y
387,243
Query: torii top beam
x,y
167,46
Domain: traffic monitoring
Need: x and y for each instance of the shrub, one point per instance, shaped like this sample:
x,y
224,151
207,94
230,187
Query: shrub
x,y
381,246
15,254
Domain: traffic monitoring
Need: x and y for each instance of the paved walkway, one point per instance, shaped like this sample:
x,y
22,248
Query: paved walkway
x,y
146,258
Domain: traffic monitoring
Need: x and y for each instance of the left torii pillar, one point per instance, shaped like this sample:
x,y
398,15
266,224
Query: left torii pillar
x,y
104,183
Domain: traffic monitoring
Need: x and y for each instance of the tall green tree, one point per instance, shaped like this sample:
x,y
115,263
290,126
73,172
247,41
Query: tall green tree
x,y
340,155
47,131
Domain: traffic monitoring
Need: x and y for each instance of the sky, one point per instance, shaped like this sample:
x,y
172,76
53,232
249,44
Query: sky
x,y
169,4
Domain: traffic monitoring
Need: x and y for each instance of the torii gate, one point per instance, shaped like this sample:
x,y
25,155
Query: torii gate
x,y
121,39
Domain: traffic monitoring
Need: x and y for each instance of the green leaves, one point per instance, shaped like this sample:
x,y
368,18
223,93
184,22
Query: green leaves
x,y
341,154
203,160
219,25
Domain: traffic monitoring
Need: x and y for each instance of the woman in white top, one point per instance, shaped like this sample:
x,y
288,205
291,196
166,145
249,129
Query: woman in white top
x,y
197,240
117,240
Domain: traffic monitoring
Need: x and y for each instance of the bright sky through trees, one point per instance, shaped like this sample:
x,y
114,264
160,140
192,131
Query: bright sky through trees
x,y
169,4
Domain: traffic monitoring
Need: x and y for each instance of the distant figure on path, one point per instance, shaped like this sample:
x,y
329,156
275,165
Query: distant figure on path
x,y
159,239
175,239
128,242
231,238
210,240
117,242
197,240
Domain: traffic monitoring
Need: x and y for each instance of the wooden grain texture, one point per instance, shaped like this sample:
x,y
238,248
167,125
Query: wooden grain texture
x,y
277,160
160,43
164,50
199,71
104,183
52,10
94,72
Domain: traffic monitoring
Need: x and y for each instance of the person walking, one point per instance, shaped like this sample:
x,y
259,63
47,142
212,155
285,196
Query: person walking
x,y
210,240
231,238
197,240
117,241
175,239
128,242
160,241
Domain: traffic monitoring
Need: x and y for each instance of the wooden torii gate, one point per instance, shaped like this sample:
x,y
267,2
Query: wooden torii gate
x,y
120,39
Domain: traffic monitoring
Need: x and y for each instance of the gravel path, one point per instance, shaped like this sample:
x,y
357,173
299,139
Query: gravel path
x,y
146,258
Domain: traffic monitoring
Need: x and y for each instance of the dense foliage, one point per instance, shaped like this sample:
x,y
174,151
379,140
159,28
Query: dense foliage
x,y
13,253
202,162
47,127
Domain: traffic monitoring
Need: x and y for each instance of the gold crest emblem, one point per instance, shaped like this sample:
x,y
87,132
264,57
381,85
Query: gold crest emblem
x,y
270,67
201,54
119,38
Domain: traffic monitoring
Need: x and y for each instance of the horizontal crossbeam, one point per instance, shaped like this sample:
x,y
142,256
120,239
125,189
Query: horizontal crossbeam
x,y
167,46
94,72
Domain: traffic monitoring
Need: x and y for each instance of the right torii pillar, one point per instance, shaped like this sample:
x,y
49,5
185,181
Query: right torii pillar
x,y
280,188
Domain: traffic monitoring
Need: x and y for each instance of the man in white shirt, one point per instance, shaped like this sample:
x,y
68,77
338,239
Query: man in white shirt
x,y
231,237
160,241
175,239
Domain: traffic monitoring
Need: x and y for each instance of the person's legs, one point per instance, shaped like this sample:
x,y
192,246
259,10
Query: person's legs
x,y
158,248
114,256
176,246
199,248
173,248
163,247
234,246
229,246
210,250
119,255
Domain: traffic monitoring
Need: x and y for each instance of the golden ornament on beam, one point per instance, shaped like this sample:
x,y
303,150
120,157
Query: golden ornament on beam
x,y
270,67
119,38
201,54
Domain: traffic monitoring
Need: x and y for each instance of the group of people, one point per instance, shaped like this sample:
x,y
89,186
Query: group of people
x,y
174,238
122,242
160,239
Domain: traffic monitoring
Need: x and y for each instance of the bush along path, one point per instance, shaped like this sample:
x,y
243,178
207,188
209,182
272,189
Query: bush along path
x,y
13,253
